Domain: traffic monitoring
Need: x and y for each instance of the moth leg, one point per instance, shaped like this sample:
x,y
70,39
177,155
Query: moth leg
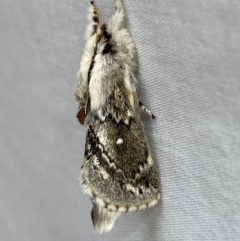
x,y
93,18
143,108
117,28
117,21
81,94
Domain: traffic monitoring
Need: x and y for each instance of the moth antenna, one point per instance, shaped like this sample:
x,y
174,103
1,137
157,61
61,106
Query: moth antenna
x,y
146,110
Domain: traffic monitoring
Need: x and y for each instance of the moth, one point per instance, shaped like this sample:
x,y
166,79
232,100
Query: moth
x,y
118,172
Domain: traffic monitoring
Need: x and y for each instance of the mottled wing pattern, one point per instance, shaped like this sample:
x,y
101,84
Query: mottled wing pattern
x,y
118,168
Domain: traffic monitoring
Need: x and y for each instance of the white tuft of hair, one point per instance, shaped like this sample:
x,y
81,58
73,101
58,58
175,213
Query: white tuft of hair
x,y
103,219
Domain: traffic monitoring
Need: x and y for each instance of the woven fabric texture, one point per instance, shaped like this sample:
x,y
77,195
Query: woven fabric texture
x,y
189,76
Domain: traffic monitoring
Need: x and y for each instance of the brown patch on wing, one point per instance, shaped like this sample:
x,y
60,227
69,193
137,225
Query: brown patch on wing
x,y
131,101
119,103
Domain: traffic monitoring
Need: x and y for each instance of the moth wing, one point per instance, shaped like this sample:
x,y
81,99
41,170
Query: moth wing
x,y
119,172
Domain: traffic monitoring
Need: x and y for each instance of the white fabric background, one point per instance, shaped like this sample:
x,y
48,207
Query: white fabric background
x,y
189,75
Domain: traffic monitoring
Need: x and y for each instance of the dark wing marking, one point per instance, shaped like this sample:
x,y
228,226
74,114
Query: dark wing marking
x,y
118,165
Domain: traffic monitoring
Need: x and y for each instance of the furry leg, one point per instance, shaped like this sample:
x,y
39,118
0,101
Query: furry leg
x,y
117,21
93,27
93,18
121,35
